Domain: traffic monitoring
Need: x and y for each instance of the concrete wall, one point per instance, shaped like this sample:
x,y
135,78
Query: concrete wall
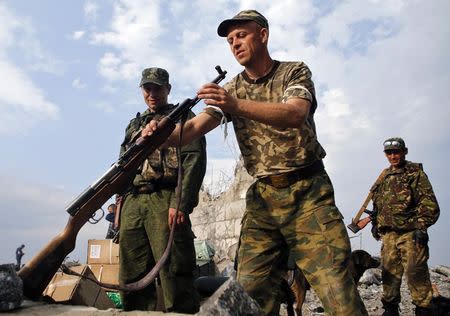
x,y
218,219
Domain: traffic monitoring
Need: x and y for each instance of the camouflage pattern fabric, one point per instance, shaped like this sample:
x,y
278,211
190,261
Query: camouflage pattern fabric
x,y
143,238
262,145
144,229
301,219
399,254
405,200
161,167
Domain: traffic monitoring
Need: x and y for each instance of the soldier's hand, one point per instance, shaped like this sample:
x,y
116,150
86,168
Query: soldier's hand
x,y
420,237
213,94
149,128
180,218
375,232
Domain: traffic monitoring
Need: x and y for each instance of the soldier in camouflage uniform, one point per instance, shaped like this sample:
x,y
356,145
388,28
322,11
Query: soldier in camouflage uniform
x,y
405,207
149,210
290,207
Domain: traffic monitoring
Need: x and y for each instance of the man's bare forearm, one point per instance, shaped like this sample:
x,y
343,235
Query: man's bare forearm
x,y
290,114
193,129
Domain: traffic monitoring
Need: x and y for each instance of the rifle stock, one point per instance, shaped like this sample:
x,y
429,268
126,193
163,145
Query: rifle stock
x,y
37,273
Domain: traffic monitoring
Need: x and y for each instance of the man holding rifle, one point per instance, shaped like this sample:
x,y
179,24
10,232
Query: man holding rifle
x,y
149,209
290,207
404,207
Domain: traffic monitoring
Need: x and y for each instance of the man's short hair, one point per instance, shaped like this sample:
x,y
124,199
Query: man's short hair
x,y
246,15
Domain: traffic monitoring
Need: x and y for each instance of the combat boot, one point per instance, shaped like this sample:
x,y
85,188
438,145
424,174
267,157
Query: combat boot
x,y
423,311
390,309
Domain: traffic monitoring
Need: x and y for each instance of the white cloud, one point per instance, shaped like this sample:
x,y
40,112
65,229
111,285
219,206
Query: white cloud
x,y
335,103
78,35
20,97
91,10
76,83
132,32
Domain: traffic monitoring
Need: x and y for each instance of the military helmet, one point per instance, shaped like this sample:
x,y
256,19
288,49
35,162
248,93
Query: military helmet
x,y
394,143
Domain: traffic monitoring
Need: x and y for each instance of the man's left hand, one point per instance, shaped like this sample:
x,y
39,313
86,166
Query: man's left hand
x,y
420,237
180,217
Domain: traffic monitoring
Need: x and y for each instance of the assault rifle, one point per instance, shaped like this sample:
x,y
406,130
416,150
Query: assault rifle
x,y
37,273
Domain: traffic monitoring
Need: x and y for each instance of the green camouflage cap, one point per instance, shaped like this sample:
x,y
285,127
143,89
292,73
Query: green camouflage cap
x,y
155,75
246,15
394,143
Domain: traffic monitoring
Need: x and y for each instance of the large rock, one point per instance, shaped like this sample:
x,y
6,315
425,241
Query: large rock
x,y
230,300
371,276
11,295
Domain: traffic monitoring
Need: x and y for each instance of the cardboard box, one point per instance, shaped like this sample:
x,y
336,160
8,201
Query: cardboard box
x,y
106,273
73,290
102,251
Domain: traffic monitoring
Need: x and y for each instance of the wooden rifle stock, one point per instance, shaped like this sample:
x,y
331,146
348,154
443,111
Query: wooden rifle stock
x,y
37,273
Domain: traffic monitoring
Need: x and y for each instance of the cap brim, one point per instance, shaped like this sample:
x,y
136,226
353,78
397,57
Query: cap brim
x,y
159,83
222,30
392,148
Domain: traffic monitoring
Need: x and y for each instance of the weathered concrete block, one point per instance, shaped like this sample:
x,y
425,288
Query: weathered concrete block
x,y
230,300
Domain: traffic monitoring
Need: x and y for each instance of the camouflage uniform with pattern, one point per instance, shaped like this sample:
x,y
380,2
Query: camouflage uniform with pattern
x,y
405,202
300,218
144,227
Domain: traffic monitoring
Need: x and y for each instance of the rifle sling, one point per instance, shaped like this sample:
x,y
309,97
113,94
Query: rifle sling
x,y
150,277
369,197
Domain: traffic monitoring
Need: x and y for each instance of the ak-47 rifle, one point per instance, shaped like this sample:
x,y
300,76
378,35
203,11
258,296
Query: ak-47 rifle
x,y
37,273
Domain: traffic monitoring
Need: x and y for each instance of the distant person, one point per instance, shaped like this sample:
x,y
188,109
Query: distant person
x,y
405,206
19,255
110,218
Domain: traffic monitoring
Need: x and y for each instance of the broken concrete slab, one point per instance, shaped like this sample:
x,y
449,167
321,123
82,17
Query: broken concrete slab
x,y
230,300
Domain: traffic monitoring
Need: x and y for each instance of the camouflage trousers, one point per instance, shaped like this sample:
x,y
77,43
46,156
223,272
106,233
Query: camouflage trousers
x,y
399,254
144,233
301,220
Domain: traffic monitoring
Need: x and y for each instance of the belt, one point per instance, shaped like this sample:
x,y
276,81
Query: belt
x,y
284,180
151,187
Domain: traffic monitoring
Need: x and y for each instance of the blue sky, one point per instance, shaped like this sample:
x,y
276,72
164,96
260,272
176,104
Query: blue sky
x,y
71,69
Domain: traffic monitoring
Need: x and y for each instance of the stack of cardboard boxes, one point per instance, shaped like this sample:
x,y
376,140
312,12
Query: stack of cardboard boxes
x,y
73,290
102,263
103,259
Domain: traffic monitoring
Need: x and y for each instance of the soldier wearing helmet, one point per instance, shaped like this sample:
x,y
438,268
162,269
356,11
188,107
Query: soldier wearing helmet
x,y
405,206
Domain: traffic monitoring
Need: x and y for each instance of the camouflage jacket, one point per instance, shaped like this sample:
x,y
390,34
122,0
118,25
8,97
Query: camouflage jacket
x,y
266,149
161,167
405,200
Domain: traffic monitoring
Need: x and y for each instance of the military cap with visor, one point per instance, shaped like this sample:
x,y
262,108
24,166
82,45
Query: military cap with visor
x,y
154,75
394,143
246,15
